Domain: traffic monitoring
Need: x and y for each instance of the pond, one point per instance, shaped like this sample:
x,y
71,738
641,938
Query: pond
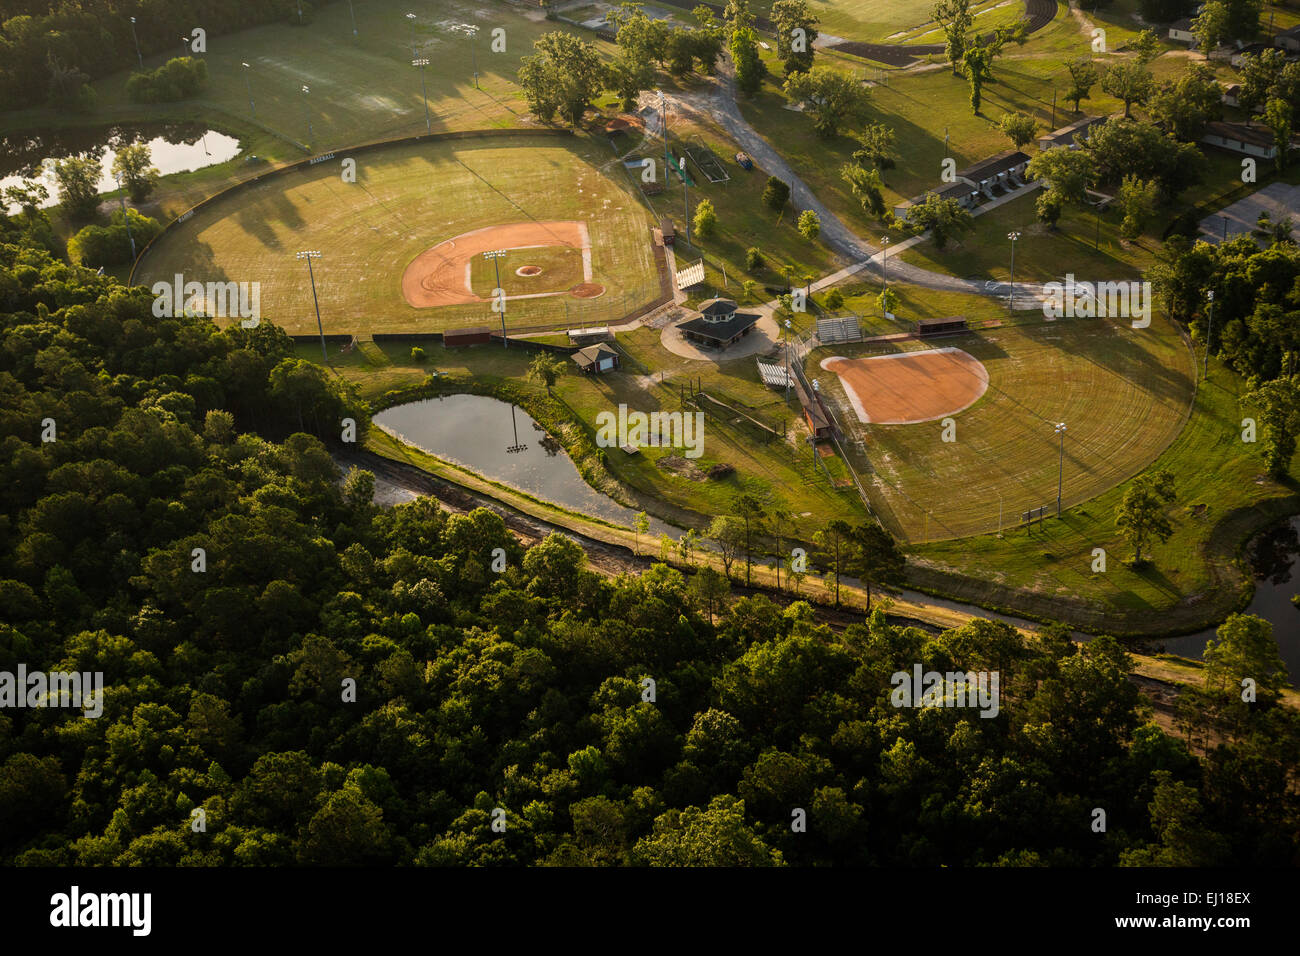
x,y
174,147
499,441
1273,556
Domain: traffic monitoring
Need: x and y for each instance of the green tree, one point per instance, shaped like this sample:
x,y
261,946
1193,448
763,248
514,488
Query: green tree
x,y
1137,200
796,29
1129,81
1211,28
1277,117
944,218
748,288
834,99
78,182
744,55
753,255
1145,46
1018,127
640,526
628,78
1083,77
775,195
706,219
834,300
753,514
835,541
708,590
544,369
728,533
877,147
133,165
1244,647
1279,404
1184,106
687,544
810,225
867,188
1141,514
874,558
563,76
956,20
716,836
1067,172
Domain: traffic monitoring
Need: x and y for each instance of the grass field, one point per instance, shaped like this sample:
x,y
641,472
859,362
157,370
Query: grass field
x,y
405,200
898,21
1123,393
561,268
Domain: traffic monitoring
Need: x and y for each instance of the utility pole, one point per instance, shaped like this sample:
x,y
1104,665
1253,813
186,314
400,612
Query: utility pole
x,y
1209,330
1011,296
126,217
309,256
1060,430
422,63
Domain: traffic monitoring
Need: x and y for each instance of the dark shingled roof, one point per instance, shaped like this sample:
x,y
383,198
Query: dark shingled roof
x,y
717,307
593,354
1066,135
986,169
1241,133
721,331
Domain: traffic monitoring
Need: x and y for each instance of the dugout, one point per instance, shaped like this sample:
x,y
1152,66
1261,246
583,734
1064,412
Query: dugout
x,y
926,328
471,335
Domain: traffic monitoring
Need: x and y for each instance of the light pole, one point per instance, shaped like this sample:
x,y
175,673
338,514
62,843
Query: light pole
x,y
884,242
1060,473
411,17
309,255
248,84
1225,228
136,41
353,14
186,48
1209,330
1011,296
473,52
516,448
496,255
787,359
686,205
299,12
126,217
422,63
306,105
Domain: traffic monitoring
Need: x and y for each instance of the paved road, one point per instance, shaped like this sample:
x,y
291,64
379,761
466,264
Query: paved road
x,y
717,101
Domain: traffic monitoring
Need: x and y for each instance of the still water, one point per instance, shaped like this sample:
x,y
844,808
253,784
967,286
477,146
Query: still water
x,y
499,441
174,147
1274,556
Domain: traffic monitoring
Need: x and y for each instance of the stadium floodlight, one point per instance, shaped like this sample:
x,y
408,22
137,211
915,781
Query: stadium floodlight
x,y
496,255
472,32
248,84
1011,296
306,103
422,62
1209,330
1060,430
411,17
136,41
309,255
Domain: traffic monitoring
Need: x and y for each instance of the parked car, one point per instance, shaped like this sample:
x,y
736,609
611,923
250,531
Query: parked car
x,y
744,160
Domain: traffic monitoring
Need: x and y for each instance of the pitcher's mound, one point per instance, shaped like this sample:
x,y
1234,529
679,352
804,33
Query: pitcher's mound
x,y
910,387
586,290
528,271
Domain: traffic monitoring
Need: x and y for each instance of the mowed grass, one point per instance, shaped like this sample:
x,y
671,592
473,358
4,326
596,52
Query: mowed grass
x,y
364,88
405,200
896,21
1193,578
1123,393
561,269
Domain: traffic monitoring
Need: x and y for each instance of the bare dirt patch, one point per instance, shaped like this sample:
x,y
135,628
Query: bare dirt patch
x,y
682,467
528,271
910,387
587,290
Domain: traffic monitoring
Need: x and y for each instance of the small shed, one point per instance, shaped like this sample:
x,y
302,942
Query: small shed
x,y
668,229
595,359
470,335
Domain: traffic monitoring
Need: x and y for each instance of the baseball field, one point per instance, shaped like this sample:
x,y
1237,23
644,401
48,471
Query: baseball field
x,y
401,247
1123,394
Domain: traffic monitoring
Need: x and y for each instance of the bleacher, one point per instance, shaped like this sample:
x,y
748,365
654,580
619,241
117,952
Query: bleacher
x,y
839,328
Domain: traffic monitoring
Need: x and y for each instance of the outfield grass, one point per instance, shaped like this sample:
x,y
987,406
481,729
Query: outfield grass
x,y
1124,394
405,200
1223,496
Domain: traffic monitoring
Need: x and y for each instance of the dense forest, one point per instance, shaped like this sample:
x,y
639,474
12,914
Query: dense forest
x,y
49,48
338,683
